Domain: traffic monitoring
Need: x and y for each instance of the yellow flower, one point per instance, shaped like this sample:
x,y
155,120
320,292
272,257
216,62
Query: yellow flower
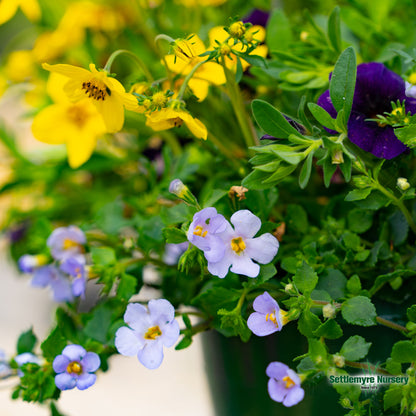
x,y
106,93
186,57
166,118
78,125
219,34
20,66
8,9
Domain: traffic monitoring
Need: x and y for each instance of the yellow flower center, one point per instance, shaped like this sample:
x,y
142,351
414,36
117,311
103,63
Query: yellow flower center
x,y
77,115
200,231
74,367
272,318
153,333
177,121
238,245
68,244
289,382
412,78
225,49
397,111
237,29
159,99
96,89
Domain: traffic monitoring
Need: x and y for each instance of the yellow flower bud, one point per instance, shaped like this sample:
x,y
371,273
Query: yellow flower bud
x,y
237,30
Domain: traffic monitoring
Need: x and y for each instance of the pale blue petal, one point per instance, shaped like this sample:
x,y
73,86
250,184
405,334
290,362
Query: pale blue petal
x,y
86,380
277,370
294,395
161,308
265,304
64,381
60,363
259,326
42,277
277,391
128,342
263,248
215,249
246,224
170,333
136,317
91,362
220,268
244,265
74,352
151,356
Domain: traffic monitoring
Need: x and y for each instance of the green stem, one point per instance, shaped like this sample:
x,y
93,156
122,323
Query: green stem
x,y
240,112
135,58
364,366
390,324
188,78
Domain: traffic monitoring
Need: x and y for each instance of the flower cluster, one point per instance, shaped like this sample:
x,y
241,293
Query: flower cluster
x,y
66,275
225,246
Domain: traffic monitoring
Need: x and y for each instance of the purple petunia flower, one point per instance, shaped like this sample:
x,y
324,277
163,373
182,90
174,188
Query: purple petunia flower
x,y
240,248
204,233
53,277
376,87
75,267
257,17
267,318
66,241
284,384
149,330
74,368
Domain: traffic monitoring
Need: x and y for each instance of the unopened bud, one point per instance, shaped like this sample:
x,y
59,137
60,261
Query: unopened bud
x,y
28,263
403,184
346,403
289,288
178,188
338,157
339,360
328,311
237,30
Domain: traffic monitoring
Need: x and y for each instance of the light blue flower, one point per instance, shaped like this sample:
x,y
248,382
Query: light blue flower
x,y
5,369
173,252
28,263
66,241
75,368
284,384
75,267
53,277
204,233
267,318
149,330
240,248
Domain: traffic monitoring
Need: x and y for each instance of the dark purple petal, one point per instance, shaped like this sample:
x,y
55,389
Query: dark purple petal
x,y
369,136
257,17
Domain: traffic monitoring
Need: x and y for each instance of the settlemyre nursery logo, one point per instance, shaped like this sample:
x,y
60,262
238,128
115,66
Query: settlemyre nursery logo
x,y
369,381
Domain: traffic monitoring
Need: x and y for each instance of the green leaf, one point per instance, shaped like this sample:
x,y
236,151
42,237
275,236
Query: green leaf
x,y
404,352
53,345
254,180
393,396
233,320
322,116
374,201
215,298
317,350
174,235
305,172
266,273
411,313
97,327
305,278
354,284
334,30
297,218
359,220
332,281
393,367
271,120
407,135
278,31
359,311
358,194
26,342
342,84
103,256
399,227
329,329
185,342
308,323
127,286
355,348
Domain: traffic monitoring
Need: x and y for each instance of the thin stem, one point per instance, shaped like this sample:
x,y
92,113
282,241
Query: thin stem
x,y
390,324
366,367
134,57
188,78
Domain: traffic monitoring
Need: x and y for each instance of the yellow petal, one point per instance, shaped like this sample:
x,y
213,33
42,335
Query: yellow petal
x,y
217,33
199,87
31,9
80,149
112,112
177,66
70,71
261,32
8,9
55,87
196,127
212,72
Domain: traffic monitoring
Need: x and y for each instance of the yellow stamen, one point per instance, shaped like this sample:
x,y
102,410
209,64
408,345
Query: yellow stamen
x,y
289,382
397,111
74,367
412,78
200,231
272,318
96,89
238,245
153,333
68,244
159,99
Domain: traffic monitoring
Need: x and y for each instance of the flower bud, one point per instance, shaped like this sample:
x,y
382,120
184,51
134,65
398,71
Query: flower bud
x,y
28,263
178,188
339,360
237,30
338,157
328,311
403,184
